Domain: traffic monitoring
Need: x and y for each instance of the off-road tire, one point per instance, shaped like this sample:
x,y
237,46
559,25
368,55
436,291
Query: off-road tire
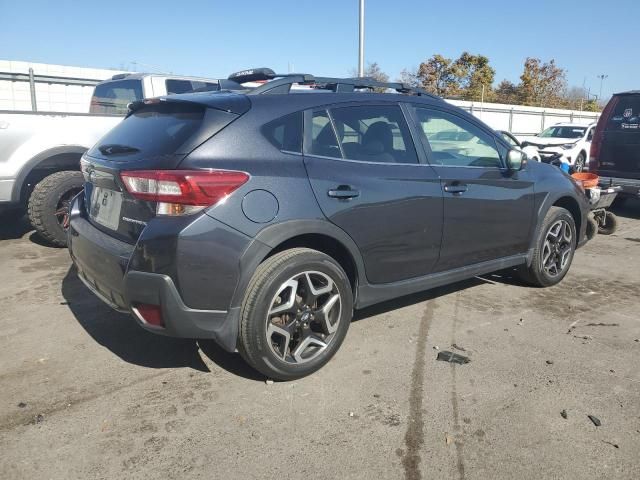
x,y
43,203
534,274
610,224
264,285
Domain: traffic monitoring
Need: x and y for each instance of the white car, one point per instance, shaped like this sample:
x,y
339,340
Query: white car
x,y
572,141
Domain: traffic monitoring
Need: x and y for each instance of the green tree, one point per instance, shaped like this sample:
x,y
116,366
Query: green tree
x,y
474,73
542,84
439,75
507,92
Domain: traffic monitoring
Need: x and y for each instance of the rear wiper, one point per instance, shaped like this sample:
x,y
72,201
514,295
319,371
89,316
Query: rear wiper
x,y
115,149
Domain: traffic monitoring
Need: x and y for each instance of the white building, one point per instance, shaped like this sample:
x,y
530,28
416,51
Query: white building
x,y
58,88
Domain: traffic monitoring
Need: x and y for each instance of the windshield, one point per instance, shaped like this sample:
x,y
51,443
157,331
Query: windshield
x,y
563,132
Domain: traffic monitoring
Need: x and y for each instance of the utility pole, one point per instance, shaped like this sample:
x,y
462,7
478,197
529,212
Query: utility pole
x,y
601,77
361,42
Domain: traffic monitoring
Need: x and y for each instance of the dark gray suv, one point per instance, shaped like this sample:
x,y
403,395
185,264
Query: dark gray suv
x,y
261,219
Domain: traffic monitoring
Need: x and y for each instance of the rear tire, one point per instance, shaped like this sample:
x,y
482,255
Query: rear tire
x,y
610,224
49,205
554,249
283,331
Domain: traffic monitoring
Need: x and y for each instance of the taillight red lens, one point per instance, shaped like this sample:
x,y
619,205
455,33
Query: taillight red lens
x,y
183,187
598,135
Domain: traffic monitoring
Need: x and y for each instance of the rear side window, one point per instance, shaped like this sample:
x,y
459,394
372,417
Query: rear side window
x,y
153,130
112,98
323,137
285,133
175,86
626,114
374,133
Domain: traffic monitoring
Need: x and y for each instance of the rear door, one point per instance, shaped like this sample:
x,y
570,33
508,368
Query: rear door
x,y
620,149
368,180
488,210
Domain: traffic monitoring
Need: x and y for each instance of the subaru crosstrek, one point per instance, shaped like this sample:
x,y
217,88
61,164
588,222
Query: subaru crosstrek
x,y
262,219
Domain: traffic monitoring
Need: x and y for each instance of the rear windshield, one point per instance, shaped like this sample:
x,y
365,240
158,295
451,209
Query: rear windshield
x,y
153,130
112,98
626,114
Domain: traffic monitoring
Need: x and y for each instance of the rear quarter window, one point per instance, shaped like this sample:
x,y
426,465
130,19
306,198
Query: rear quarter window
x,y
285,133
626,114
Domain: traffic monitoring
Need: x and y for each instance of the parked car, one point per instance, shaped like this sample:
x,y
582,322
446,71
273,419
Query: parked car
x,y
615,150
40,151
571,140
531,151
263,219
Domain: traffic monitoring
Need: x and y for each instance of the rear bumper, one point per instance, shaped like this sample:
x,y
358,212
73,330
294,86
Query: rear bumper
x,y
103,266
630,186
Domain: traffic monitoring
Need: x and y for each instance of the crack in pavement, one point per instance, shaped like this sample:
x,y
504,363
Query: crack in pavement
x,y
459,444
414,437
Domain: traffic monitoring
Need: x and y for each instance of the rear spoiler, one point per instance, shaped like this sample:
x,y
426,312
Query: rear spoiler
x,y
225,101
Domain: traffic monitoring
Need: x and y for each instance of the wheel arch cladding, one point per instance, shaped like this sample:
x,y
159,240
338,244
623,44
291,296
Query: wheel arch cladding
x,y
45,163
570,204
327,245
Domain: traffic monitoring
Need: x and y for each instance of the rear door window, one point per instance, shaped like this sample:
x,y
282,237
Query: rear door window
x,y
626,114
374,133
112,98
322,136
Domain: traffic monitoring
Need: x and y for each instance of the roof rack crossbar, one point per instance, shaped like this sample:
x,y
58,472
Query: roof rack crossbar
x,y
279,85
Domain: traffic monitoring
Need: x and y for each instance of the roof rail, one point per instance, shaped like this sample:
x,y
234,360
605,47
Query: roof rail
x,y
281,83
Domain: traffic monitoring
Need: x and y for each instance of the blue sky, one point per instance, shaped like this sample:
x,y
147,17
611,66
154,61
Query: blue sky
x,y
214,38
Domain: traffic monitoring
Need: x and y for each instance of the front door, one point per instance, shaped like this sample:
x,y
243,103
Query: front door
x,y
366,176
488,210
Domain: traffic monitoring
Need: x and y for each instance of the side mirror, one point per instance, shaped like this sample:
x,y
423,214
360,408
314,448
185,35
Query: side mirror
x,y
516,159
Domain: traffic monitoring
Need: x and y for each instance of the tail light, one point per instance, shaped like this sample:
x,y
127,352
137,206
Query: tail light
x,y
598,136
182,192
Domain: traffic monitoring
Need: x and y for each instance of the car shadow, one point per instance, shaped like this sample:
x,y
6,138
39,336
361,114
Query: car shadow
x,y
119,333
412,299
14,224
630,208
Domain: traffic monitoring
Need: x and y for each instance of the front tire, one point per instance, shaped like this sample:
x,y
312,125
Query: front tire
x,y
554,250
295,314
49,205
579,165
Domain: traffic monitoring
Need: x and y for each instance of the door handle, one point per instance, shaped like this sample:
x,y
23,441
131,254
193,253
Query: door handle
x,y
455,187
343,192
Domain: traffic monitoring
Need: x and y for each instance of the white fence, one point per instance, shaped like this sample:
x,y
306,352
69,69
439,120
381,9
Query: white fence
x,y
48,88
521,120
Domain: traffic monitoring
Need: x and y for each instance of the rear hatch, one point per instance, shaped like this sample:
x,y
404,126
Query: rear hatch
x,y
620,148
156,136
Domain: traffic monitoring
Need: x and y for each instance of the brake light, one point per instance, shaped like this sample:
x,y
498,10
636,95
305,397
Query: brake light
x,y
181,192
598,135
